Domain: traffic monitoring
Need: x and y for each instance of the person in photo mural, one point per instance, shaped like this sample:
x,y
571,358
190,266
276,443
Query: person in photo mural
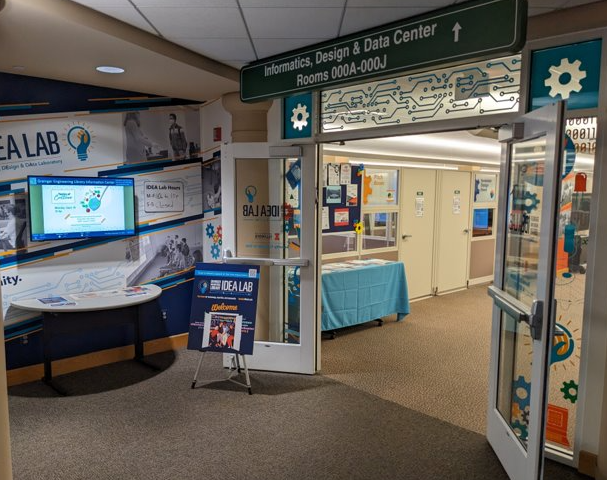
x,y
177,138
137,143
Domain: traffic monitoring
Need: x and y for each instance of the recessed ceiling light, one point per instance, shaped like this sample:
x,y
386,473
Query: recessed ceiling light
x,y
109,69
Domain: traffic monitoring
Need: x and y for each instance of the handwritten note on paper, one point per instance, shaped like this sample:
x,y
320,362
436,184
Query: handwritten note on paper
x,y
163,197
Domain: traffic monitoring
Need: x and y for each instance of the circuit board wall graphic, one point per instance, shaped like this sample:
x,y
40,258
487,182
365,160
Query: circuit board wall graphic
x,y
482,88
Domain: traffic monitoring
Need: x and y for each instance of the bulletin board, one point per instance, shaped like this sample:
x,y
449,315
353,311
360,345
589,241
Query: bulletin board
x,y
341,197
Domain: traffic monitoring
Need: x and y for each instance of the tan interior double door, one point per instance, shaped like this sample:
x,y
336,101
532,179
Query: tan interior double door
x,y
435,230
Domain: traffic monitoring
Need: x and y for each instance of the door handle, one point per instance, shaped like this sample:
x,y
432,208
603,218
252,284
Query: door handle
x,y
405,236
466,231
534,316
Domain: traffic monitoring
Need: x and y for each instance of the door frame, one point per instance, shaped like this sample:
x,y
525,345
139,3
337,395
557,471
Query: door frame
x,y
275,356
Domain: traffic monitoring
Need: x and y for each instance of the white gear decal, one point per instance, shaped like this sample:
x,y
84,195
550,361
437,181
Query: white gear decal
x,y
300,117
573,85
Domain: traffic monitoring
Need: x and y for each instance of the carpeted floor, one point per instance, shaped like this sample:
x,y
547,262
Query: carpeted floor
x,y
125,422
435,361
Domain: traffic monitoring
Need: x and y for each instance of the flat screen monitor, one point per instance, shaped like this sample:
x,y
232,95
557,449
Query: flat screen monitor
x,y
80,207
482,223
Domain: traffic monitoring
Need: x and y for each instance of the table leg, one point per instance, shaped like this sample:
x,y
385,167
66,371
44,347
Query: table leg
x,y
47,353
46,347
138,335
139,339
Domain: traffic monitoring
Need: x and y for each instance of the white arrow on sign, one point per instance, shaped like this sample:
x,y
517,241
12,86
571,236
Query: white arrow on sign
x,y
456,28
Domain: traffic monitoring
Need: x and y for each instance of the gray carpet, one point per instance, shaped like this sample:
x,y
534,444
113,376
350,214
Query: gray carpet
x,y
153,426
435,361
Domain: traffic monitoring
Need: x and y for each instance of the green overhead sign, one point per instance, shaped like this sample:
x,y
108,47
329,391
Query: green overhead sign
x,y
467,31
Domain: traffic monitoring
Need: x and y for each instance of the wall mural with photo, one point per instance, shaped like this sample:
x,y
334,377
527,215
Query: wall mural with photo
x,y
158,147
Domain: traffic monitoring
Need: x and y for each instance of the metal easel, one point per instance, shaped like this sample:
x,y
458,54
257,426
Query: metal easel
x,y
234,368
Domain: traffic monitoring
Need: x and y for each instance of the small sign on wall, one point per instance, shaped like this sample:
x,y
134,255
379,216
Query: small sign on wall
x,y
457,203
419,204
163,197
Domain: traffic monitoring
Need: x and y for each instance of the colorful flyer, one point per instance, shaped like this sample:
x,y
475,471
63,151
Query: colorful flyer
x,y
352,195
333,194
224,305
342,217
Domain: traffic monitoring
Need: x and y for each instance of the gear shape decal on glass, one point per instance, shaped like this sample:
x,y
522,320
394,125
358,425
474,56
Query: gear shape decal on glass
x,y
215,251
300,117
570,390
531,202
521,384
565,78
520,429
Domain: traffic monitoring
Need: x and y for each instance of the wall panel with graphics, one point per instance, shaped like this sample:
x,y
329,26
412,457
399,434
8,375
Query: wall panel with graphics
x,y
159,148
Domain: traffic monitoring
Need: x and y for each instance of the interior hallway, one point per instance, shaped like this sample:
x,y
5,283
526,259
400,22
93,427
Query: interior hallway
x,y
435,361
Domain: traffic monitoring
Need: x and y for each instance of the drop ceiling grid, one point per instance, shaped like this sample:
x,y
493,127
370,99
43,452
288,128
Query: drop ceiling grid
x,y
215,28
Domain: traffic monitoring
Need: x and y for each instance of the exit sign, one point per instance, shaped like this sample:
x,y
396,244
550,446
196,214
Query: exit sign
x,y
467,31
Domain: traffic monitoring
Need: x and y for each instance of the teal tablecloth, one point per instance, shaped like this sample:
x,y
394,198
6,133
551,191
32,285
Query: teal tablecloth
x,y
364,293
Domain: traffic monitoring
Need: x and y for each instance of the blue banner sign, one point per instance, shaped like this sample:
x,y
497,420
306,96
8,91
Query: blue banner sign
x,y
224,305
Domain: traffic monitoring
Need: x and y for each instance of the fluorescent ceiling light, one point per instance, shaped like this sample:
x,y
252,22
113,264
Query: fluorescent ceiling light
x,y
375,163
109,69
451,144
489,170
451,159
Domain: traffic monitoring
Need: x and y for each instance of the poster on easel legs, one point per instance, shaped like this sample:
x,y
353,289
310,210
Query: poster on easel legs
x,y
224,305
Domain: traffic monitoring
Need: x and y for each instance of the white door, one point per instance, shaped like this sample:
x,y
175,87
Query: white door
x,y
269,219
453,230
523,291
418,193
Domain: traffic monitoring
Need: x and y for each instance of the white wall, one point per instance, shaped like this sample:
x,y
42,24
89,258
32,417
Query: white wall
x,y
212,114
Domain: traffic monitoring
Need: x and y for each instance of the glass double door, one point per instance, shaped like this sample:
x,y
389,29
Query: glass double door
x,y
269,219
523,291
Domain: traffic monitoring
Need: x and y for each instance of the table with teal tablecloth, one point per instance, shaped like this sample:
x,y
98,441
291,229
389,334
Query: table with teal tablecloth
x,y
362,293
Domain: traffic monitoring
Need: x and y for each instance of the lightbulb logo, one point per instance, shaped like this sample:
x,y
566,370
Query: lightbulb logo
x,y
250,192
79,138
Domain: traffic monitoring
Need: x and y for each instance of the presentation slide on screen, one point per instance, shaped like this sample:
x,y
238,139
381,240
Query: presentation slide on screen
x,y
74,208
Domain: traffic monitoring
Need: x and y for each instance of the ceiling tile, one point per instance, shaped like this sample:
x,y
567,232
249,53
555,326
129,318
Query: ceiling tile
x,y
266,47
128,15
357,19
292,3
98,4
185,3
208,22
222,49
292,22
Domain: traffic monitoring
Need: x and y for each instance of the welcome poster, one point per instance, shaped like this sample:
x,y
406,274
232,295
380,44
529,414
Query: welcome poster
x,y
224,305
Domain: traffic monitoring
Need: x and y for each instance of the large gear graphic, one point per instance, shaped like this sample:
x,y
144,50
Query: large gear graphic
x,y
567,388
530,202
572,83
300,117
210,230
522,432
215,251
521,383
